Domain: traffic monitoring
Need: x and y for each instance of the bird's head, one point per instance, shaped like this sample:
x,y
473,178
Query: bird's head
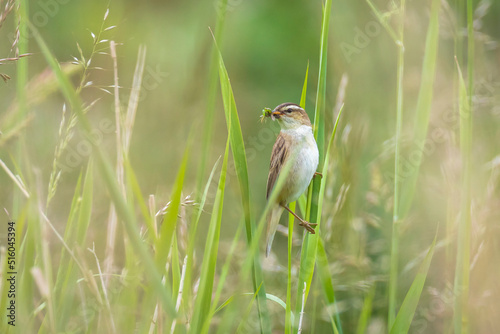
x,y
290,116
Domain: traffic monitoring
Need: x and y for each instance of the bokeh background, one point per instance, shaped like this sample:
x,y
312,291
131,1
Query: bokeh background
x,y
267,46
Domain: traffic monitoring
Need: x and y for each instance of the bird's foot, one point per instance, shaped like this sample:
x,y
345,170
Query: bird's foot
x,y
318,174
308,226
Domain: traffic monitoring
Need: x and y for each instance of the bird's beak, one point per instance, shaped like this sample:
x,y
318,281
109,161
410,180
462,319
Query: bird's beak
x,y
275,114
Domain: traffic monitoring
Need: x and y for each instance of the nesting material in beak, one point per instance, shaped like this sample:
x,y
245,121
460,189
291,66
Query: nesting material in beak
x,y
265,113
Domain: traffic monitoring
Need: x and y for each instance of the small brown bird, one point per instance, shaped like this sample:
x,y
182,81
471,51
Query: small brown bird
x,y
295,141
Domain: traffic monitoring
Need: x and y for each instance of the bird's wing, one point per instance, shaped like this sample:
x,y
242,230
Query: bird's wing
x,y
278,158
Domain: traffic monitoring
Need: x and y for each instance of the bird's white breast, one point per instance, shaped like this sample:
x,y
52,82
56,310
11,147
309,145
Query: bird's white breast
x,y
304,152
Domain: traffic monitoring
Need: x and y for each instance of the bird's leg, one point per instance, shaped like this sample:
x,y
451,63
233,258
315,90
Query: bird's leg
x,y
318,173
308,226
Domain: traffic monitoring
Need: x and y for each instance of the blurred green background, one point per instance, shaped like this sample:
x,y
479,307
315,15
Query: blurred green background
x,y
266,47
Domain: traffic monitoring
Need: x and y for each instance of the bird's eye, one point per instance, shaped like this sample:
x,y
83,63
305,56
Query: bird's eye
x,y
288,111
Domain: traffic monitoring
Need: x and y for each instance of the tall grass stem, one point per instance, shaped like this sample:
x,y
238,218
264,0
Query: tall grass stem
x,y
393,272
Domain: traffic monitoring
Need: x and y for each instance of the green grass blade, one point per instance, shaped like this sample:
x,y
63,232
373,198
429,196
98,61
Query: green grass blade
x,y
22,64
222,279
462,270
326,281
85,207
393,271
169,224
291,219
366,312
407,310
133,188
253,248
288,309
240,163
176,268
407,185
277,300
303,96
108,176
327,161
22,80
76,232
423,110
187,296
27,255
302,202
69,233
322,262
164,243
212,92
310,244
202,305
380,17
309,247
269,296
244,317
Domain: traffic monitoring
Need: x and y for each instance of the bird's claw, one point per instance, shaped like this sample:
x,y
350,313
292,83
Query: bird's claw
x,y
318,174
308,226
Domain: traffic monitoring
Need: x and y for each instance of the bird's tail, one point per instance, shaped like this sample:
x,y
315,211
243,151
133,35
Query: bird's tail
x,y
273,219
